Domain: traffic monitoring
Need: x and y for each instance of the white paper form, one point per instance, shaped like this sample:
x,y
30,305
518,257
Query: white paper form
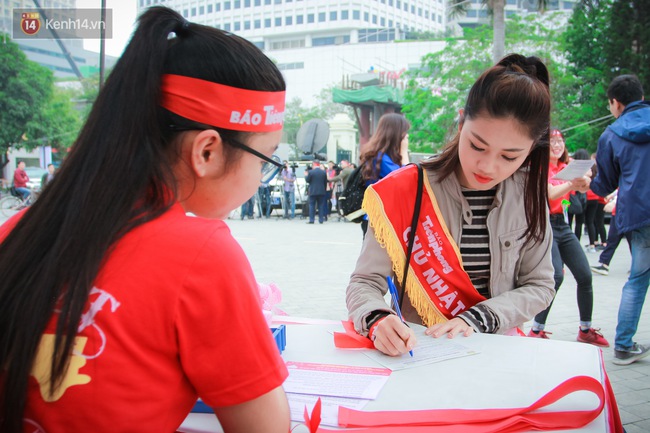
x,y
335,380
329,407
575,168
427,351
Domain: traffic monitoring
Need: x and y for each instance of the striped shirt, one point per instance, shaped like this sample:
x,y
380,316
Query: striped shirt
x,y
475,252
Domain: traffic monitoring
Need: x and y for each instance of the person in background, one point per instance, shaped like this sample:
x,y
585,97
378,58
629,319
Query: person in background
x,y
613,238
623,158
289,189
567,249
346,171
502,272
47,177
595,217
20,180
581,197
385,151
317,180
122,283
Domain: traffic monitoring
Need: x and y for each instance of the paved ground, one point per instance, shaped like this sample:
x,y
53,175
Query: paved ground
x,y
312,263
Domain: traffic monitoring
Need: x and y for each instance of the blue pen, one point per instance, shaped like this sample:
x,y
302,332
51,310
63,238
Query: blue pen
x,y
393,293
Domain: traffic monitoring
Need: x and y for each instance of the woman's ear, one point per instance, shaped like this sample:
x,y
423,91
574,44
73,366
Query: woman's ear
x,y
206,152
461,118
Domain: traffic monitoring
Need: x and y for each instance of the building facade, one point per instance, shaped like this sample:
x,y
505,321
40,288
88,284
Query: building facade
x,y
47,52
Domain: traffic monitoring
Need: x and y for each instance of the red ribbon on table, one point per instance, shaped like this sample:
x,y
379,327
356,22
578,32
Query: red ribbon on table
x,y
350,339
475,420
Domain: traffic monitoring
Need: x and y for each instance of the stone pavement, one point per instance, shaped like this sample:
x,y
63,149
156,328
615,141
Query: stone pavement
x,y
312,263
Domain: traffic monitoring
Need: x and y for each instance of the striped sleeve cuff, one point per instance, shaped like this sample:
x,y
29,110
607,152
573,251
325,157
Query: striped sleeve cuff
x,y
481,318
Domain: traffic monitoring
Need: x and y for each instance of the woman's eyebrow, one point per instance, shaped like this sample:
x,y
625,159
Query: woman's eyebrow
x,y
479,138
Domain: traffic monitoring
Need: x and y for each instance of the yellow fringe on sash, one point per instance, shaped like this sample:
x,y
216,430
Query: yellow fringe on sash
x,y
389,240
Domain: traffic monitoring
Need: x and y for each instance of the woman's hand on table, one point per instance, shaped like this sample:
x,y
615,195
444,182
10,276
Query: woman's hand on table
x,y
392,337
453,327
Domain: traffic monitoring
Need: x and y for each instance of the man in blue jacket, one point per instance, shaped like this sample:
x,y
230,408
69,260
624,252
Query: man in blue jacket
x,y
623,160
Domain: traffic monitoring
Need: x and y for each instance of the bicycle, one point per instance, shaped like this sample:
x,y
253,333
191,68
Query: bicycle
x,y
11,204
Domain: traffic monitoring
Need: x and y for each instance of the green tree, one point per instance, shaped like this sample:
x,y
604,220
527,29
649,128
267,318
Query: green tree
x,y
57,123
25,87
497,11
438,89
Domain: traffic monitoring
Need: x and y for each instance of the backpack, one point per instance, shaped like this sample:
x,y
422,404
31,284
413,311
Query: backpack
x,y
352,197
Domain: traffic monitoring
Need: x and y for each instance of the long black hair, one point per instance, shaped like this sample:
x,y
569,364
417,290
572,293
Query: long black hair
x,y
117,176
516,87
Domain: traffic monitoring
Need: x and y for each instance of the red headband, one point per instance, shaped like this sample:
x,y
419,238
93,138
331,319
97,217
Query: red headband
x,y
223,106
556,133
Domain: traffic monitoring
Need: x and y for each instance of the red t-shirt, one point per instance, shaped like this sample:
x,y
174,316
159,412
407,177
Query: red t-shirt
x,y
174,315
555,206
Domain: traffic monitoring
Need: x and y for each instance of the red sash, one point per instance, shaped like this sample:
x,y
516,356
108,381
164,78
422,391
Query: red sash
x,y
437,285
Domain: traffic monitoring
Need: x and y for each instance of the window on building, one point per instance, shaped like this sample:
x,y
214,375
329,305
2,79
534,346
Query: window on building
x,y
209,9
278,2
247,25
267,22
247,3
237,26
226,6
201,10
398,4
419,12
406,7
278,22
321,17
390,23
390,2
193,12
345,15
186,13
290,66
374,19
483,13
237,4
299,19
413,9
267,2
257,2
382,22
310,18
333,16
471,13
217,7
366,17
288,21
356,15
226,27
257,24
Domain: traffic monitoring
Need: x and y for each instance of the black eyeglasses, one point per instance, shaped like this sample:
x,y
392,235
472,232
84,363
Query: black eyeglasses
x,y
266,167
270,163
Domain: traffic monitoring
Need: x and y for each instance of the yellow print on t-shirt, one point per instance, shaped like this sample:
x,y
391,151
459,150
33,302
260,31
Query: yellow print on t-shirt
x,y
42,369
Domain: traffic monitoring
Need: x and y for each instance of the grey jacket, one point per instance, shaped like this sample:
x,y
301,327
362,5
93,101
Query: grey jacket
x,y
521,276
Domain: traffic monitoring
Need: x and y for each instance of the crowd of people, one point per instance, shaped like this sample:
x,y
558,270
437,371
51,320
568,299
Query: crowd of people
x,y
112,295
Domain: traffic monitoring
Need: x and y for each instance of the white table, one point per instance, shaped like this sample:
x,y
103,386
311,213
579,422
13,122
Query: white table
x,y
508,372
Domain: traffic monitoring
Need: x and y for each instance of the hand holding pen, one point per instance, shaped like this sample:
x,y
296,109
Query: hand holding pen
x,y
392,336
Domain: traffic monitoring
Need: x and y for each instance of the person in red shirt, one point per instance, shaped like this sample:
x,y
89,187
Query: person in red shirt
x,y
566,247
20,180
123,296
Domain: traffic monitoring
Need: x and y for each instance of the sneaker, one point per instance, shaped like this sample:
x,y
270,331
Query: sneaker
x,y
592,337
541,334
599,247
627,357
590,249
601,269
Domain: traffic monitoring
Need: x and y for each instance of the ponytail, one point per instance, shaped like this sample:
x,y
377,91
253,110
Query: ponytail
x,y
117,176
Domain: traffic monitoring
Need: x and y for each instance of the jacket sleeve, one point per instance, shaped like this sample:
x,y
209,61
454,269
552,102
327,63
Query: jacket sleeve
x,y
367,287
534,285
606,181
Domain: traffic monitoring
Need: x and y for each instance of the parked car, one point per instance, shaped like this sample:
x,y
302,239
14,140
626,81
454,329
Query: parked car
x,y
35,174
